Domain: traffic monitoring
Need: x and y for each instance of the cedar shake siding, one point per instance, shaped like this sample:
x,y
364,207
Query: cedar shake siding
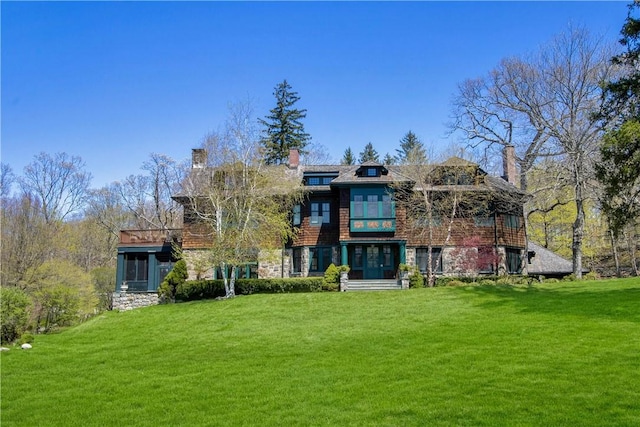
x,y
351,215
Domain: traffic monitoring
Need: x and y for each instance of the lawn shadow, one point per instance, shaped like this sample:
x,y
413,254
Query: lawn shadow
x,y
578,300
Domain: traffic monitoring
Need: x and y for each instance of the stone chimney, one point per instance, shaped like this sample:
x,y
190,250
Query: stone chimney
x,y
294,158
198,158
509,164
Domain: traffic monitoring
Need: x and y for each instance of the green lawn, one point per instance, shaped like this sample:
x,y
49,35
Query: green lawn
x,y
564,354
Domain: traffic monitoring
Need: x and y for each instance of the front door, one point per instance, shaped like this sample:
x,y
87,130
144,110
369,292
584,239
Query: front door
x,y
378,262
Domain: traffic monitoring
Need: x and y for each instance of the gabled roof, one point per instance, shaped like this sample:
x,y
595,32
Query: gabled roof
x,y
547,263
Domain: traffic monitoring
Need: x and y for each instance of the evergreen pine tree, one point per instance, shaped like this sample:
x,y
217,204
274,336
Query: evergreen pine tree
x,y
283,128
369,154
347,158
411,150
622,96
389,159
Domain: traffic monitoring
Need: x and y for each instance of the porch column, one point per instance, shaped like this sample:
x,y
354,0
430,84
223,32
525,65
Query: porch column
x,y
344,254
403,252
120,271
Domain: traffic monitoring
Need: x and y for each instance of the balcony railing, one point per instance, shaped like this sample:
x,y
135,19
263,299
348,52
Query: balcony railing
x,y
150,237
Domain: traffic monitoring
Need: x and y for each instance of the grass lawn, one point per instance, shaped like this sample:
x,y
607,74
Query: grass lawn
x,y
564,354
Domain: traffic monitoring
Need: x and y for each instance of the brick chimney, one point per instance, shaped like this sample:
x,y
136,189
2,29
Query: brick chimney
x,y
198,158
509,164
294,158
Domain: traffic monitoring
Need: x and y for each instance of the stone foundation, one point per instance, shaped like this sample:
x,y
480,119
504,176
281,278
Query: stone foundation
x,y
129,300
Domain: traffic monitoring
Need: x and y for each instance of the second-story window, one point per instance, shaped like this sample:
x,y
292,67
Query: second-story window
x,y
372,204
320,213
296,215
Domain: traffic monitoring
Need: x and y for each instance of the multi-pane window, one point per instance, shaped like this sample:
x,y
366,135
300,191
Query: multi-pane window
x,y
372,171
296,215
514,261
137,267
357,257
319,259
386,206
484,219
358,206
486,259
372,204
386,255
243,271
512,221
297,260
422,259
320,213
319,180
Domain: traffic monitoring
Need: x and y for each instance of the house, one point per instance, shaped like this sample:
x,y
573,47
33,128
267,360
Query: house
x,y
145,257
364,216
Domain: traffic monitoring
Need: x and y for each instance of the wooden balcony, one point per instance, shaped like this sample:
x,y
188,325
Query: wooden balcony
x,y
150,237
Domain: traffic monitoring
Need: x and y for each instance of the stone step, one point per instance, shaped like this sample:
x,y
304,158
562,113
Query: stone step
x,y
373,285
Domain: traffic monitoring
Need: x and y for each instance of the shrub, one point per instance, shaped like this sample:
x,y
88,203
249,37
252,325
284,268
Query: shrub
x,y
569,278
176,277
62,294
486,282
416,279
552,280
209,289
15,308
331,278
456,282
26,339
592,275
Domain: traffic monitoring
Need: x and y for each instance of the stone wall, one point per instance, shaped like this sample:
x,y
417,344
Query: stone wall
x,y
130,300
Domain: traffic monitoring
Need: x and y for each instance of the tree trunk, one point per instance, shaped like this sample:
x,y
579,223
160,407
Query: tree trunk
x,y
631,244
614,250
578,233
231,290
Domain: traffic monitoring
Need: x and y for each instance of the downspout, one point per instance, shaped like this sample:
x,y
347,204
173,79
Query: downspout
x,y
496,263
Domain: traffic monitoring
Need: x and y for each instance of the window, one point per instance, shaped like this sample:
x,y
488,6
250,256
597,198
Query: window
x,y
372,171
297,260
319,259
358,206
136,267
512,221
372,203
514,261
386,206
320,213
244,271
486,259
372,206
483,221
484,218
357,257
422,258
386,255
318,180
296,215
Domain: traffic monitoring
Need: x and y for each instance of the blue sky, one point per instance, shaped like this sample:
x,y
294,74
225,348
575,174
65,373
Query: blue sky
x,y
113,82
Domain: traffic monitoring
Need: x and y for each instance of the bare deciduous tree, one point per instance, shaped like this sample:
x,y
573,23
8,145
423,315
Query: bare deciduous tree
x,y
242,203
59,182
148,196
544,106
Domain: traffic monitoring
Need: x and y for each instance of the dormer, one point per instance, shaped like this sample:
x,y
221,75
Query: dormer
x,y
371,170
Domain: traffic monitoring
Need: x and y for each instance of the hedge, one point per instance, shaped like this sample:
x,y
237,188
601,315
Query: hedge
x,y
209,289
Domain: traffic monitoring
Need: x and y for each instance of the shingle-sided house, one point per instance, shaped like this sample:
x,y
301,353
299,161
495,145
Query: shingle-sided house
x,y
362,216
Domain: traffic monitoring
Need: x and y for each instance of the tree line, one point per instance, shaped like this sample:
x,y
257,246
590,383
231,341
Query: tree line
x,y
570,109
